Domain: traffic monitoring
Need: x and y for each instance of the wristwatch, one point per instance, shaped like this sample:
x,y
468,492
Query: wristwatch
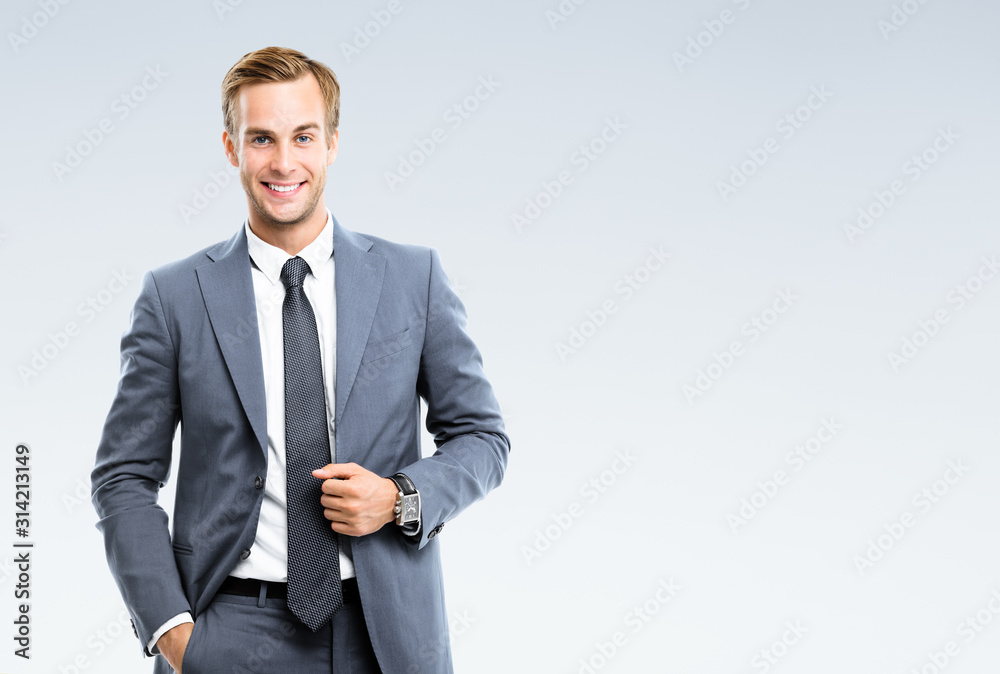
x,y
407,500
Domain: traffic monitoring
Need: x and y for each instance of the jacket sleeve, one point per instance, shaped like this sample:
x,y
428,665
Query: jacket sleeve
x,y
462,414
133,462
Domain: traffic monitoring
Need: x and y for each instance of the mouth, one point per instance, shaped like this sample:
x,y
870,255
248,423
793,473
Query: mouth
x,y
283,189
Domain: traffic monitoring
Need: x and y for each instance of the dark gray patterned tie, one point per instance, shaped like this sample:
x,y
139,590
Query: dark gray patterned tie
x,y
314,592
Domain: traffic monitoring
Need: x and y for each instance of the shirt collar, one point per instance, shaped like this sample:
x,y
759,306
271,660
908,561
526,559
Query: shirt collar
x,y
270,259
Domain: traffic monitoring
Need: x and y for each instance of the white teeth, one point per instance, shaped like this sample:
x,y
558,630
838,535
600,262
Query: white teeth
x,y
283,188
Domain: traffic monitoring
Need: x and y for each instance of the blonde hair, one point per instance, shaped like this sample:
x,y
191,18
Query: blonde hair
x,y
278,64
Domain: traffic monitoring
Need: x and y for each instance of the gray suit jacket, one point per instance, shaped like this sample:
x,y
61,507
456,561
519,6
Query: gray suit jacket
x,y
191,356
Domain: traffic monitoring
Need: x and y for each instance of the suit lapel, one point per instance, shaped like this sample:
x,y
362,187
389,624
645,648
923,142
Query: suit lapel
x,y
358,276
227,287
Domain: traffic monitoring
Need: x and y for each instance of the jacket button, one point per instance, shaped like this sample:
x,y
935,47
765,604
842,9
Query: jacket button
x,y
258,482
244,554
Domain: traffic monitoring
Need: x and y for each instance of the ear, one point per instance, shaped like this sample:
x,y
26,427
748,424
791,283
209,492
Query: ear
x,y
230,148
331,154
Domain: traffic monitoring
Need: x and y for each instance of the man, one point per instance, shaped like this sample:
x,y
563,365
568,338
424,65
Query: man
x,y
293,356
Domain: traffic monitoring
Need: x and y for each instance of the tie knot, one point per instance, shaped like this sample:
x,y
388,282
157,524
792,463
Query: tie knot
x,y
294,272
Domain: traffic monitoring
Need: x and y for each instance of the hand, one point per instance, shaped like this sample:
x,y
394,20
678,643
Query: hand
x,y
173,643
356,500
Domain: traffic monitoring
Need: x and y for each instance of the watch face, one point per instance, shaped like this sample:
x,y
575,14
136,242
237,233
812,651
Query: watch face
x,y
409,508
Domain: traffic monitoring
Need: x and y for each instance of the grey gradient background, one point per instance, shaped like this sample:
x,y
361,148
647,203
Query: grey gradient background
x,y
663,517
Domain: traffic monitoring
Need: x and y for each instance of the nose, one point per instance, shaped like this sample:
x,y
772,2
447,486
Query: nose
x,y
281,158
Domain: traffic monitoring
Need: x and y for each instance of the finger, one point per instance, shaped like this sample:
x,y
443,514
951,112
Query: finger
x,y
337,487
332,502
337,518
335,471
347,529
326,472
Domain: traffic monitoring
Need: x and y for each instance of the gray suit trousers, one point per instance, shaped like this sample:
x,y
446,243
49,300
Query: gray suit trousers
x,y
244,635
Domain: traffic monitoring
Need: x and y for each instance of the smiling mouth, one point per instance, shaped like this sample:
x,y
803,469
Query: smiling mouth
x,y
283,189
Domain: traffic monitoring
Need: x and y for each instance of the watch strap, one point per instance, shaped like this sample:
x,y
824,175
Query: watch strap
x,y
404,483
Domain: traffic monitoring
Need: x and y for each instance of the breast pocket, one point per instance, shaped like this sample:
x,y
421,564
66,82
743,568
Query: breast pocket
x,y
384,348
385,362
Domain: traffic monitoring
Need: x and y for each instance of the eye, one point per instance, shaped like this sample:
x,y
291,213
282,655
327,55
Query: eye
x,y
259,138
303,139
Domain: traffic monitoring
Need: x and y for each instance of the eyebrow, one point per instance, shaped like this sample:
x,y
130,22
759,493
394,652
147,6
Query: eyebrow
x,y
265,132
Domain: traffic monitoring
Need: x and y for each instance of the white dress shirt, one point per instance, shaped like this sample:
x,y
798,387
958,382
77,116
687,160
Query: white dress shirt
x,y
268,558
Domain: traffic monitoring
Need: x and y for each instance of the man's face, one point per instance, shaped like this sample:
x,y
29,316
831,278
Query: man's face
x,y
281,150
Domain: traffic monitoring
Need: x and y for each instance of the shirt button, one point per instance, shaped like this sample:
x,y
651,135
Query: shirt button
x,y
258,482
244,554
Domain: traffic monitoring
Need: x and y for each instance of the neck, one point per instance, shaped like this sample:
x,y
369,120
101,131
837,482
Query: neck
x,y
290,238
